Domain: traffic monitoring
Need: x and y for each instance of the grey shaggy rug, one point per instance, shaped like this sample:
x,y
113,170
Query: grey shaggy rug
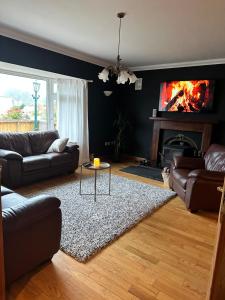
x,y
88,226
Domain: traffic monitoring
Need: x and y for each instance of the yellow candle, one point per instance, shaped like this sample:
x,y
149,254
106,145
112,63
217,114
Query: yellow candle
x,y
96,162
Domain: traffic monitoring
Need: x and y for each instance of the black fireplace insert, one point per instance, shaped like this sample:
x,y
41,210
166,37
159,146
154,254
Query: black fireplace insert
x,y
179,145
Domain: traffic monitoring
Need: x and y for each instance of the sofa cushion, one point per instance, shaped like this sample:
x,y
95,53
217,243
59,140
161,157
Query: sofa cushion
x,y
12,199
58,158
35,162
18,142
58,145
181,176
41,140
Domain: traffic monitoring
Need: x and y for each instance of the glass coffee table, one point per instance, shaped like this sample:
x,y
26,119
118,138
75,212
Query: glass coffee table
x,y
91,167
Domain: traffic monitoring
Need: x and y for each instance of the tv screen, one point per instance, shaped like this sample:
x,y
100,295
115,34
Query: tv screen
x,y
186,96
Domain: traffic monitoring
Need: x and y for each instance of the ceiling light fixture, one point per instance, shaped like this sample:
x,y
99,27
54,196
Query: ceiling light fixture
x,y
123,73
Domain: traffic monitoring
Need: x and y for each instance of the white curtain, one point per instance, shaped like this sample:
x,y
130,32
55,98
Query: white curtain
x,y
72,117
50,103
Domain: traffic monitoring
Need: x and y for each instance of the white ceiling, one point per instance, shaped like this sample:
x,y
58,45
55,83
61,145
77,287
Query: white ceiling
x,y
153,31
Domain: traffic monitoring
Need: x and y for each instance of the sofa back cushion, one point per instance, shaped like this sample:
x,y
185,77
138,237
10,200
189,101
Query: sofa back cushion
x,y
215,158
41,140
18,142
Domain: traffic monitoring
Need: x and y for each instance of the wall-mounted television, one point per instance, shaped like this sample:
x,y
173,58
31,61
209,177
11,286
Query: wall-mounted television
x,y
186,96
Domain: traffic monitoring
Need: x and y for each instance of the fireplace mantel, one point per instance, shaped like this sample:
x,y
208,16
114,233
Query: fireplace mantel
x,y
202,126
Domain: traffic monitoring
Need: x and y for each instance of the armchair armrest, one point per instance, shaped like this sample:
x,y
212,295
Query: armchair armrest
x,y
181,162
31,211
71,147
207,175
7,154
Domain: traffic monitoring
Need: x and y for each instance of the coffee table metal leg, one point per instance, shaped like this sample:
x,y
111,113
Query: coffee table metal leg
x,y
95,184
109,180
80,177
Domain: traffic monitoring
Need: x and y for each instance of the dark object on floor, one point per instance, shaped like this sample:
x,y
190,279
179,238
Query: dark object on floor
x,y
145,162
196,180
25,159
144,171
31,232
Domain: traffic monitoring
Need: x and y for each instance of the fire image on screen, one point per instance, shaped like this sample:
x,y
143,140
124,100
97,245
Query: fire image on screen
x,y
186,96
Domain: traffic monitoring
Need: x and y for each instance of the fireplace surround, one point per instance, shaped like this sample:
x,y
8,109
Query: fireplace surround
x,y
202,126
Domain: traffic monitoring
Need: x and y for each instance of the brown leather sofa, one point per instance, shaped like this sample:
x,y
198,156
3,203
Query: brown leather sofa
x,y
196,179
31,231
24,158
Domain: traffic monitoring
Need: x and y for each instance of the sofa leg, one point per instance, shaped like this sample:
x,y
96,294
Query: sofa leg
x,y
193,211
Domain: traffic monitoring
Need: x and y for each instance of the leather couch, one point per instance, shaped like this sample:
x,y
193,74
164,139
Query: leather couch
x,y
24,159
196,180
31,231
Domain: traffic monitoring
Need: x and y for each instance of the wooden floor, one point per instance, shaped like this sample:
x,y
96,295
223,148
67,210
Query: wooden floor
x,y
167,256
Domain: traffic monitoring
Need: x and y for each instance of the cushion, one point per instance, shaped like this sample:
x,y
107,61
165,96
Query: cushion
x,y
35,162
18,142
58,158
58,145
41,140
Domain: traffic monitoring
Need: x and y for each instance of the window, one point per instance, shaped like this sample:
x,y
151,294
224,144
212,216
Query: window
x,y
17,104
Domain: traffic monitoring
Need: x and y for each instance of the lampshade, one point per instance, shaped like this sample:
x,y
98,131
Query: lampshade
x,y
36,86
104,75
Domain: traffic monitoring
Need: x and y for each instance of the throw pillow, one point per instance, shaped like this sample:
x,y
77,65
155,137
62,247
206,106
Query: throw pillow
x,y
58,145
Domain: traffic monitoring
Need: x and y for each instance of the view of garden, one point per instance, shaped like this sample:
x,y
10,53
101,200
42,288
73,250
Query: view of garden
x,y
17,109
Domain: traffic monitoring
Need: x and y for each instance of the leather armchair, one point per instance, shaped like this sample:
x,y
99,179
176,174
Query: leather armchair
x,y
196,179
31,231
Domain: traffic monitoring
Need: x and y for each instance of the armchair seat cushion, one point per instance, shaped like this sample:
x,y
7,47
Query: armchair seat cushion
x,y
58,158
191,163
36,162
181,176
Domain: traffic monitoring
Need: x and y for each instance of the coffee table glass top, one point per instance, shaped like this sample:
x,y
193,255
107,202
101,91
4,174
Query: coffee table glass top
x,y
103,165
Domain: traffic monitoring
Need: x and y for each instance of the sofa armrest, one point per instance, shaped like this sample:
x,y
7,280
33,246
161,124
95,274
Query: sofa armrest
x,y
7,154
191,163
207,175
25,214
71,147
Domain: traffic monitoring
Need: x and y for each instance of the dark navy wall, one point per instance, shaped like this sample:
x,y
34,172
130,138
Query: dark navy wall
x,y
101,108
138,105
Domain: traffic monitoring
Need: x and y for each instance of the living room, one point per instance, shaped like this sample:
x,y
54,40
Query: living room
x,y
111,176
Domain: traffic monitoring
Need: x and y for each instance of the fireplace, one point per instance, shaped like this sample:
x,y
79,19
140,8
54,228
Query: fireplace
x,y
203,127
178,145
